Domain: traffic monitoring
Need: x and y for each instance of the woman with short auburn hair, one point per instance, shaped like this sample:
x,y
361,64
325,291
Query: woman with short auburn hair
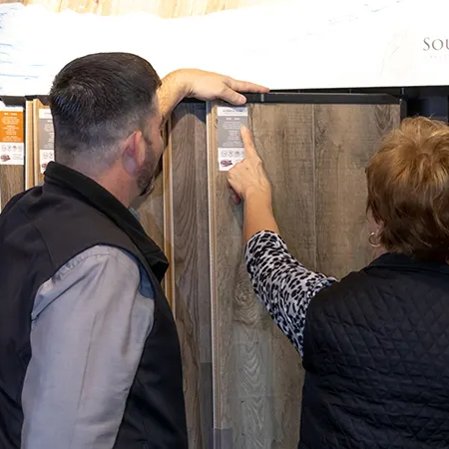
x,y
374,345
408,189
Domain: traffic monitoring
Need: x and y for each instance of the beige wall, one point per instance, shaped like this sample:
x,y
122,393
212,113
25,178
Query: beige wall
x,y
164,8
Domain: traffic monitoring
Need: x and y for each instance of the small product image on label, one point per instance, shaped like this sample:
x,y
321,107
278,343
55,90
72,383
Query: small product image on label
x,y
11,153
230,147
45,156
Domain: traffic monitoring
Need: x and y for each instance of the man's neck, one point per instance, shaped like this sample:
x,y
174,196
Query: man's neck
x,y
114,181
116,188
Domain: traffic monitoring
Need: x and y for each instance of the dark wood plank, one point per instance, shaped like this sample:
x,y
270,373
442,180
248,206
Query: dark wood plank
x,y
188,238
345,138
151,213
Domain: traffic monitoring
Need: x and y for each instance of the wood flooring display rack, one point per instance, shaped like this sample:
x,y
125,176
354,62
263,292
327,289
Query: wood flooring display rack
x,y
242,377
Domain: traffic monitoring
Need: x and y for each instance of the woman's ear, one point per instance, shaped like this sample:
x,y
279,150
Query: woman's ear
x,y
374,224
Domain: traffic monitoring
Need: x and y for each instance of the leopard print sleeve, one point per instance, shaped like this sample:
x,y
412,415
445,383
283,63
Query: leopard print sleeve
x,y
283,284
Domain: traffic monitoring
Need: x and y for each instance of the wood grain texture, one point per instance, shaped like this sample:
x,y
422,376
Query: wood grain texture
x,y
29,146
43,139
255,367
315,158
163,8
151,213
191,302
37,175
12,177
345,138
11,182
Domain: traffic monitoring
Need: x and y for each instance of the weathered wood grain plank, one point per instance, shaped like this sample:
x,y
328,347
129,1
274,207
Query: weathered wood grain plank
x,y
345,138
12,177
256,368
11,182
191,302
151,213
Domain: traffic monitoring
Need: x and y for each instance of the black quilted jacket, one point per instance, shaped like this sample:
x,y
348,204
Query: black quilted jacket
x,y
376,355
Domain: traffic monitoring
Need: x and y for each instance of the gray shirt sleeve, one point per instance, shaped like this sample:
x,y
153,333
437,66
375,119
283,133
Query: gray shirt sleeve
x,y
89,325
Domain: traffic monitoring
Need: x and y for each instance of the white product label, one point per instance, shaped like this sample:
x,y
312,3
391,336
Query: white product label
x,y
230,147
45,156
11,153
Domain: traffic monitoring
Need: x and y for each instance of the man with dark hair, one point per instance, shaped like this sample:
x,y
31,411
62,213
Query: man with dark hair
x,y
89,354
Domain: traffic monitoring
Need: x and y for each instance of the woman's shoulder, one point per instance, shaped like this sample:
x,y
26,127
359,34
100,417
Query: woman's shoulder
x,y
352,283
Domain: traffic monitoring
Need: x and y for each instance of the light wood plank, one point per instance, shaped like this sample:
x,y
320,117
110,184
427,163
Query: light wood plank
x,y
43,139
29,145
163,8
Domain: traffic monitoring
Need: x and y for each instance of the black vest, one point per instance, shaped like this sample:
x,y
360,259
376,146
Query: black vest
x,y
41,230
376,355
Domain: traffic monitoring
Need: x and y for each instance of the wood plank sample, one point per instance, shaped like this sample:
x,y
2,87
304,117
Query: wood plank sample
x,y
315,156
43,139
11,152
257,378
151,213
29,145
345,138
186,190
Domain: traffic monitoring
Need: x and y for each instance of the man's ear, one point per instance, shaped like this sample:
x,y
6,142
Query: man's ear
x,y
133,154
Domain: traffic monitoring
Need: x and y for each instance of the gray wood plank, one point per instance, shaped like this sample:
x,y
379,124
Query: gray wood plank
x,y
345,138
256,368
315,157
189,232
151,213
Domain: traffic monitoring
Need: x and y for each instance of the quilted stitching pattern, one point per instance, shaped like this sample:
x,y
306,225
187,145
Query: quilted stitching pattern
x,y
376,348
377,356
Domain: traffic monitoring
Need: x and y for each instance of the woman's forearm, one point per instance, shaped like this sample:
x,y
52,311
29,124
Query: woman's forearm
x,y
258,214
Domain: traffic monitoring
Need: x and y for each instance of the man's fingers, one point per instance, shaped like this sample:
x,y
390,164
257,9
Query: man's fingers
x,y
246,86
233,97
